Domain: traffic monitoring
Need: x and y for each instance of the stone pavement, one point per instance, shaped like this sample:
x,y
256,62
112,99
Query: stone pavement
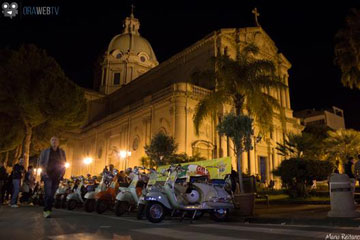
x,y
28,223
315,214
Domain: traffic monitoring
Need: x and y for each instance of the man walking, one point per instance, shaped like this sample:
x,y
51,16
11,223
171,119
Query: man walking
x,y
17,174
52,161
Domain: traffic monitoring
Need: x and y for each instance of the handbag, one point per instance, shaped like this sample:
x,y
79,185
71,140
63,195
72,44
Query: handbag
x,y
25,188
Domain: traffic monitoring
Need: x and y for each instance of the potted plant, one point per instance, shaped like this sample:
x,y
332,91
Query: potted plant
x,y
239,128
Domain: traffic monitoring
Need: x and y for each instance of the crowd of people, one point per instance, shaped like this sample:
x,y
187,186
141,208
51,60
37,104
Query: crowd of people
x,y
19,180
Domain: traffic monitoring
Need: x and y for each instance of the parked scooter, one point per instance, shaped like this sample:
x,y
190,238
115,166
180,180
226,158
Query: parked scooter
x,y
89,197
106,199
61,193
38,195
77,196
153,181
128,197
190,199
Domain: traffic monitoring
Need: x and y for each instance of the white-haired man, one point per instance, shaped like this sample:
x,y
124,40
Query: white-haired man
x,y
52,161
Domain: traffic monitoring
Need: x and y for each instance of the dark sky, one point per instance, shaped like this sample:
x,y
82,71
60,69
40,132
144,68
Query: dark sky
x,y
302,30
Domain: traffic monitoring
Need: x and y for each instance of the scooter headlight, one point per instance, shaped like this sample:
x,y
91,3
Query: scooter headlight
x,y
150,198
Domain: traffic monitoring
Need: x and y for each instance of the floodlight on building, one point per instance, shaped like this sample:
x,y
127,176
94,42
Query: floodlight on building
x,y
88,160
122,154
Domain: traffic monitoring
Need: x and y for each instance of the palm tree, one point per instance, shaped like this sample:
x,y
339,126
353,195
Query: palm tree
x,y
304,145
342,144
241,82
347,50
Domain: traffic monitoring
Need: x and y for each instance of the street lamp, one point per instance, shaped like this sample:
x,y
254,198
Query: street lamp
x,y
87,162
125,155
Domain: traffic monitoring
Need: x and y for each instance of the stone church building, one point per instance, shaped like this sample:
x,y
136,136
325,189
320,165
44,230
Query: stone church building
x,y
139,97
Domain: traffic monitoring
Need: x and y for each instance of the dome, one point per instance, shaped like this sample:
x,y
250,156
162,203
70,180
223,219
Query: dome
x,y
127,42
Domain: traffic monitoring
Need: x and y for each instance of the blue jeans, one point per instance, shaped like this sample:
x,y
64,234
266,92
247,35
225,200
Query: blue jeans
x,y
16,189
50,186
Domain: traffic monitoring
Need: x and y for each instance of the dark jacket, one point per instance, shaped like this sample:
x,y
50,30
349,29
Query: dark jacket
x,y
3,174
17,171
348,170
44,161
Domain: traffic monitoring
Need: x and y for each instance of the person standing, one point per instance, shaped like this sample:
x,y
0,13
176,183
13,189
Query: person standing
x,y
28,185
52,161
17,174
348,167
3,178
357,169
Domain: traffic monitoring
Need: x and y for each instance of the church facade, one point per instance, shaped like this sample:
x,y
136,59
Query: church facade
x,y
138,97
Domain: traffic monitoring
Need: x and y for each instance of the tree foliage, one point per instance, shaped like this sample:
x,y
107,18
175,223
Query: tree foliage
x,y
11,132
34,87
242,82
239,128
347,50
303,145
342,144
161,148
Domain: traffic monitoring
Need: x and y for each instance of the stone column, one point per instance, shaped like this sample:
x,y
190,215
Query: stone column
x,y
180,118
283,96
287,92
252,162
147,129
224,146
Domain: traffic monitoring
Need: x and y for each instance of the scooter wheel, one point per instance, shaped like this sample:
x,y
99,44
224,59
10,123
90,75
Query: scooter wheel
x,y
121,207
63,203
89,205
155,212
219,215
100,206
71,204
140,212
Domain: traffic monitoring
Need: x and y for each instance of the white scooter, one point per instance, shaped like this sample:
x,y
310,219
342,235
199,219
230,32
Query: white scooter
x,y
77,197
89,197
128,197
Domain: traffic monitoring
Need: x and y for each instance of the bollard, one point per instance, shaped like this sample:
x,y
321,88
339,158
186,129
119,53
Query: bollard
x,y
341,197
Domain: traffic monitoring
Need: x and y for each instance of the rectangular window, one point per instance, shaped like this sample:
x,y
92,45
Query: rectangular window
x,y
116,78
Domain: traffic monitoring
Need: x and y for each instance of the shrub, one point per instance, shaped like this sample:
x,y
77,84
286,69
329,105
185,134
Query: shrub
x,y
297,174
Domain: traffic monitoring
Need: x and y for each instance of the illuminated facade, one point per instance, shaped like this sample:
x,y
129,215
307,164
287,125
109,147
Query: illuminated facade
x,y
139,97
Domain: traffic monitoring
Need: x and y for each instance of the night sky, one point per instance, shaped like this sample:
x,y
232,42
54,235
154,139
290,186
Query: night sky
x,y
302,30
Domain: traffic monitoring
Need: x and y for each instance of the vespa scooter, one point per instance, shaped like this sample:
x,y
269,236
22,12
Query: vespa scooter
x,y
194,198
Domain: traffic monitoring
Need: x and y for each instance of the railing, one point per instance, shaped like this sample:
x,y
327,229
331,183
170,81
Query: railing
x,y
201,92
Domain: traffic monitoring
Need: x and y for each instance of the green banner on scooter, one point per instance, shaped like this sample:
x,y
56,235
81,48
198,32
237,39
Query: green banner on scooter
x,y
217,168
